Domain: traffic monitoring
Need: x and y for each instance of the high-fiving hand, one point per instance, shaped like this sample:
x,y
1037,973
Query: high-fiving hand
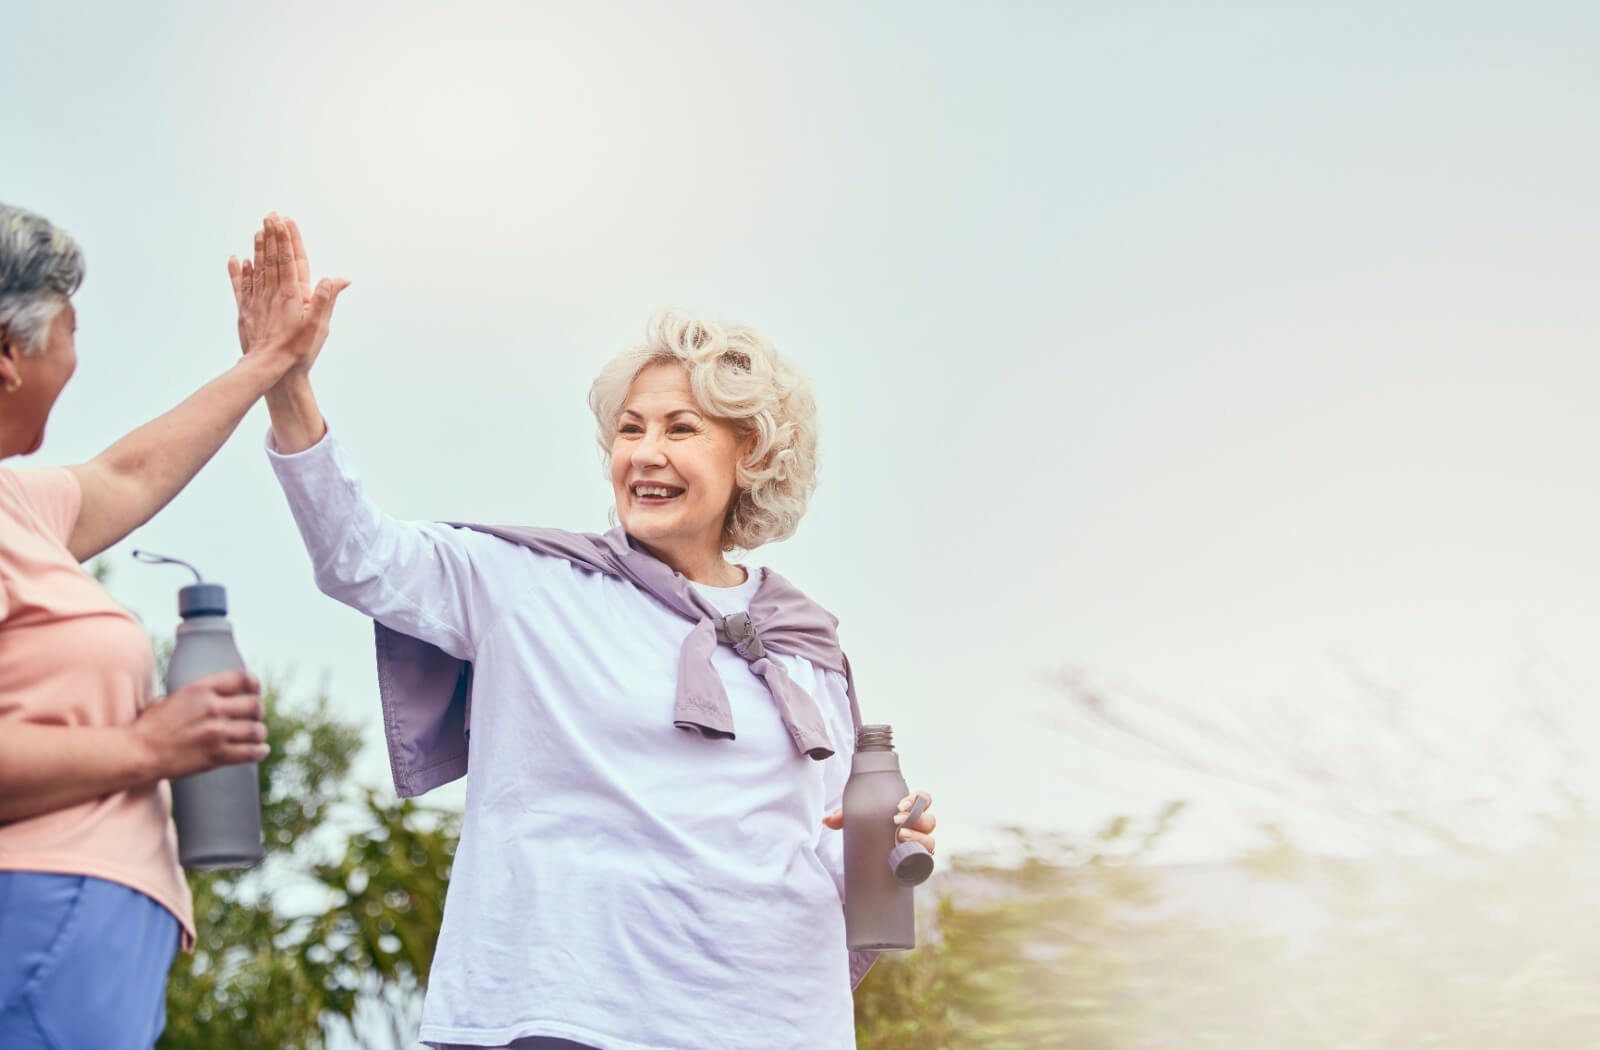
x,y
279,312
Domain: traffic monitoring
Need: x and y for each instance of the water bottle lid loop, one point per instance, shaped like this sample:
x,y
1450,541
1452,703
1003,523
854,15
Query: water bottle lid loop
x,y
198,598
160,559
910,861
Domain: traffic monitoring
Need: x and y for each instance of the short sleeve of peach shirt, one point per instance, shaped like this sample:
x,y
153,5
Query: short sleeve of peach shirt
x,y
70,655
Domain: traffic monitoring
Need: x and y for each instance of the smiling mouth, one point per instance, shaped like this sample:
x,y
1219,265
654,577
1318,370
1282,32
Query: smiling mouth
x,y
655,495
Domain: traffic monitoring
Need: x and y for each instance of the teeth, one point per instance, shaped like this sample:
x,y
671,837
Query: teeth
x,y
653,490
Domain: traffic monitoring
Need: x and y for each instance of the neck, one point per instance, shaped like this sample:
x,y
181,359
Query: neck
x,y
13,444
701,566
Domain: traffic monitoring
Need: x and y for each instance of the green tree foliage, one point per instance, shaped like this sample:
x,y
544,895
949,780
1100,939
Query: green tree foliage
x,y
347,904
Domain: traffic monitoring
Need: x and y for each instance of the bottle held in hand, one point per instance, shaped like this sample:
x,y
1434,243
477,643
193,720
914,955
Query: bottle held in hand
x,y
879,869
218,813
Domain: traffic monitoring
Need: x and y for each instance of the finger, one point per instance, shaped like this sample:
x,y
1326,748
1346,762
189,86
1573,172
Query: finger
x,y
246,708
236,278
834,820
322,301
907,835
248,731
906,802
235,754
230,683
288,268
261,255
226,714
926,822
302,265
277,250
333,287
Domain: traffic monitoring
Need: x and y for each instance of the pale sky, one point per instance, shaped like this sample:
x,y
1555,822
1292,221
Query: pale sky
x,y
1200,346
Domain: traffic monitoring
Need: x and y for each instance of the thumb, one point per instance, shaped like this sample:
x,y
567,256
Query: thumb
x,y
323,298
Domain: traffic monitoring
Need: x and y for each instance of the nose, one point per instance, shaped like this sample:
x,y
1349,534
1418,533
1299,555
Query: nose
x,y
649,451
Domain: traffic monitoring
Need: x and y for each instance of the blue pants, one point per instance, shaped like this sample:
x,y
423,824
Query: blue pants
x,y
83,963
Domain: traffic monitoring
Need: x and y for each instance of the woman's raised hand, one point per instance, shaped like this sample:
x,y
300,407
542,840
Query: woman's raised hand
x,y
279,311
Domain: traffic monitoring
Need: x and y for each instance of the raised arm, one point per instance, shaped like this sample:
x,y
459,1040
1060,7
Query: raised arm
x,y
297,422
426,580
282,324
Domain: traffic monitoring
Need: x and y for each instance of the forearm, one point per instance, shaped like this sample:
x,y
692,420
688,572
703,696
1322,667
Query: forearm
x,y
49,767
166,453
424,580
129,482
297,422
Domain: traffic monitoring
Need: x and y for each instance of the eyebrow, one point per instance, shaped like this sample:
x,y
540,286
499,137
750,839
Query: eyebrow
x,y
670,415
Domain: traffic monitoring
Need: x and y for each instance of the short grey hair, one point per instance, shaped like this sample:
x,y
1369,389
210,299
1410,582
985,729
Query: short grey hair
x,y
41,266
735,375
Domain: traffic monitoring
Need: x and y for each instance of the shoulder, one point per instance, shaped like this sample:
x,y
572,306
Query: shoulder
x,y
780,587
550,556
44,499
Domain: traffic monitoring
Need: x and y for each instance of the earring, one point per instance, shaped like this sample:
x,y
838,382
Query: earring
x,y
13,385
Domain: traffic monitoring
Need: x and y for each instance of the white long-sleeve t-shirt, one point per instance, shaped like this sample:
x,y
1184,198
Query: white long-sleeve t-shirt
x,y
619,882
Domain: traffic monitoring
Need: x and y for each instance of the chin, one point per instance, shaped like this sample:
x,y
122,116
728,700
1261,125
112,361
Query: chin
x,y
644,533
658,534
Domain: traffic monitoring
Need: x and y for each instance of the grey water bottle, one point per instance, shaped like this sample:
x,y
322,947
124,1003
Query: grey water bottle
x,y
218,813
879,869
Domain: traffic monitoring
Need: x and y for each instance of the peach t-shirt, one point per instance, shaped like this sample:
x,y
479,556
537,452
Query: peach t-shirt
x,y
72,656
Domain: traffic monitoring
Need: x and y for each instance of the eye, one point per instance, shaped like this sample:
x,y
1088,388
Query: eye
x,y
682,428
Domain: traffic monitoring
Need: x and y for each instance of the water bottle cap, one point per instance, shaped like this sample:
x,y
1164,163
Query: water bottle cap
x,y
911,863
203,599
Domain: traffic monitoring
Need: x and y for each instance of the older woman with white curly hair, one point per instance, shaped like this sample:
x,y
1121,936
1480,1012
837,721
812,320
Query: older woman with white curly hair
x,y
658,737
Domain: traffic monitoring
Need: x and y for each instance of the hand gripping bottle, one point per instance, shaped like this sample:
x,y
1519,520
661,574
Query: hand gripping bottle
x,y
879,869
218,813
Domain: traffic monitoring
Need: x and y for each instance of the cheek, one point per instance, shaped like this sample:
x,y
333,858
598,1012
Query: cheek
x,y
60,379
619,464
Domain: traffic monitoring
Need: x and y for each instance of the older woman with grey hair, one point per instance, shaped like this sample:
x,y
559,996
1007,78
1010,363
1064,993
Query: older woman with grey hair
x,y
93,904
659,737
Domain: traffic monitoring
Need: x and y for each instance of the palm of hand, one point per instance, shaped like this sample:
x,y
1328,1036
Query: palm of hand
x,y
279,312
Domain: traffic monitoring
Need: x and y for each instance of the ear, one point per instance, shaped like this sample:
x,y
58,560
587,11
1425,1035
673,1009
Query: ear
x,y
10,355
747,447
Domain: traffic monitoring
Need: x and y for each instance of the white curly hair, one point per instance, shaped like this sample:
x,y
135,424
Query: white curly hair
x,y
737,376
